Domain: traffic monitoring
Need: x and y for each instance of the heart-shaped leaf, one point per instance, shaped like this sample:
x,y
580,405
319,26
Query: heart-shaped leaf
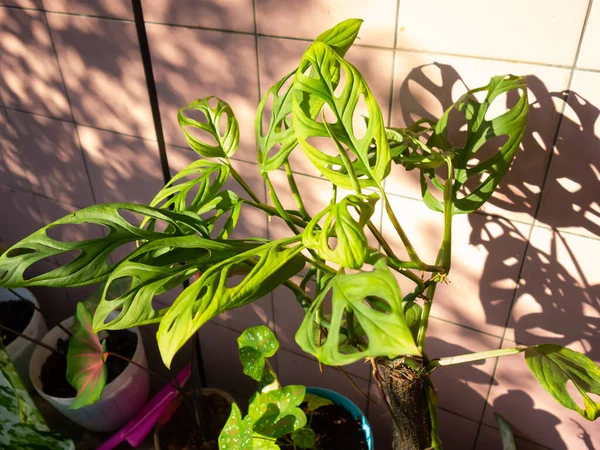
x,y
350,248
468,168
223,144
362,294
314,402
554,366
267,266
255,344
153,269
277,413
86,368
90,265
360,167
237,432
275,143
304,438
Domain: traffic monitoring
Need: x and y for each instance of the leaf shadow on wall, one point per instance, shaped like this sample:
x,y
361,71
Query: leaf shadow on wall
x,y
554,301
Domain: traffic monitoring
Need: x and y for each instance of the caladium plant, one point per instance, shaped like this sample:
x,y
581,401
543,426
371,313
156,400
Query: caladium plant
x,y
185,232
274,415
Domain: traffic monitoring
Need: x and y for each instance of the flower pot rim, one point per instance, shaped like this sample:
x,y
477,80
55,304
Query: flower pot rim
x,y
29,329
348,405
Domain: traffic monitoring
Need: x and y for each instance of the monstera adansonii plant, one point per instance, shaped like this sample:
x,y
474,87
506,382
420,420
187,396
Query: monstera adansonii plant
x,y
355,309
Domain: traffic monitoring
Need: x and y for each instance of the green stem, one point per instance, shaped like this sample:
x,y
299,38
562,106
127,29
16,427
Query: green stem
x,y
444,255
242,183
436,442
279,207
273,212
301,296
470,357
296,192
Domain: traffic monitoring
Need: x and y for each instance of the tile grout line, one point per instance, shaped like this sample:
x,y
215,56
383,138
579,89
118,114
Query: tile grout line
x,y
62,77
537,210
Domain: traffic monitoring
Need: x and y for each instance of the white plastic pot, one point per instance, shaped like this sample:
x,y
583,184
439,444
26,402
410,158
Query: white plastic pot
x,y
20,350
121,399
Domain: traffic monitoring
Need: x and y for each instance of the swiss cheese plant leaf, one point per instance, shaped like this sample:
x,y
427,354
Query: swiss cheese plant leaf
x,y
554,366
255,344
212,142
153,269
304,438
237,432
309,91
91,263
276,413
192,187
86,368
277,140
408,149
314,402
385,329
476,176
349,249
267,266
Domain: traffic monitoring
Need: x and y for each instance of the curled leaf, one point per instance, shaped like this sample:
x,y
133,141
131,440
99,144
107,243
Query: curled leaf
x,y
350,245
554,366
225,144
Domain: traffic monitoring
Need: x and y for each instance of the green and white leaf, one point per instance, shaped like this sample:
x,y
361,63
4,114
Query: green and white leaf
x,y
255,344
276,413
237,432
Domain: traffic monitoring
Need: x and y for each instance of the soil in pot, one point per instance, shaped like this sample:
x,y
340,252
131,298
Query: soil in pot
x,y
15,314
182,433
54,369
336,428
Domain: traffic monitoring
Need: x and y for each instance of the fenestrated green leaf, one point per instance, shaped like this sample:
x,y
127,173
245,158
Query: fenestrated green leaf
x,y
255,344
192,187
508,440
406,147
91,265
237,432
315,402
224,145
350,246
304,438
485,174
153,269
554,366
276,413
280,131
386,330
267,266
307,90
86,368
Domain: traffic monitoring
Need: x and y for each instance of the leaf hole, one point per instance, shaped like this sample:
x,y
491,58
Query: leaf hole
x,y
575,395
359,118
77,232
287,84
203,136
38,268
223,123
213,102
457,128
197,115
341,85
488,150
115,289
378,304
19,251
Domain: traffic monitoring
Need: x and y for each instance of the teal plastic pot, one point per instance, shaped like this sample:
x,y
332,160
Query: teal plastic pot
x,y
354,410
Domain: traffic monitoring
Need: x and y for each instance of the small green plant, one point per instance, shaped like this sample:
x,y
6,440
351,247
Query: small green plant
x,y
274,418
357,310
